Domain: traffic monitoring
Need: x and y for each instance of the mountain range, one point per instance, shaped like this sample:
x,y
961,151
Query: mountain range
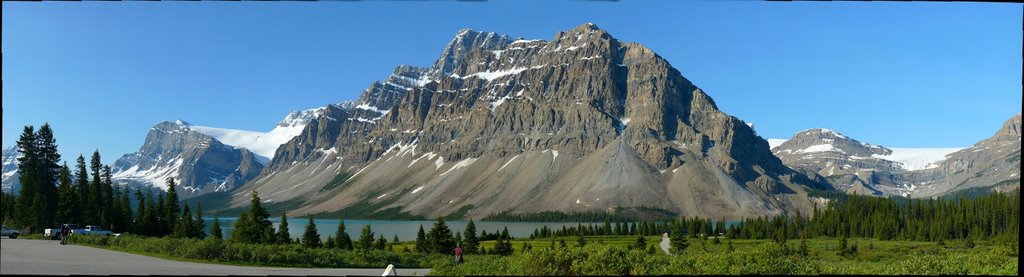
x,y
579,123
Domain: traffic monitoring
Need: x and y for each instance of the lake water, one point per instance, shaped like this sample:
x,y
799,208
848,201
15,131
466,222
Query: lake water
x,y
406,230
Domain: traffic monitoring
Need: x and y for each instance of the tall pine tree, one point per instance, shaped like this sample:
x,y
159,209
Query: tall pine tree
x,y
172,208
342,239
28,168
311,238
282,230
253,225
470,242
85,204
67,201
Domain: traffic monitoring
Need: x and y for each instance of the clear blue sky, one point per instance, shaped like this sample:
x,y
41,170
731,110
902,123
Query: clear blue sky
x,y
895,74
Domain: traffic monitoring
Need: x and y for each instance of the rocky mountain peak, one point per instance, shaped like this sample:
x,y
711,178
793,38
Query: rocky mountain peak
x,y
300,118
465,42
1010,131
819,140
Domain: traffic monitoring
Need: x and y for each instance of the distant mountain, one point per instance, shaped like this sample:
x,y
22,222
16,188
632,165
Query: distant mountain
x,y
853,166
263,144
583,122
10,169
198,162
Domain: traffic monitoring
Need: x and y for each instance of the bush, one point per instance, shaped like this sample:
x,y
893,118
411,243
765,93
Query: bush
x,y
289,255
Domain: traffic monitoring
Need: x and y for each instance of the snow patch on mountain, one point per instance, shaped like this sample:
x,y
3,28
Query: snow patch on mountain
x,y
263,144
917,158
772,143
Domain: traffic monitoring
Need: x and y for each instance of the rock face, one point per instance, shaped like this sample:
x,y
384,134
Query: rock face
x,y
583,122
10,170
849,165
866,169
993,163
199,163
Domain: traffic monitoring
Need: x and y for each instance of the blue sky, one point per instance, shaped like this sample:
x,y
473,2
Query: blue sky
x,y
894,74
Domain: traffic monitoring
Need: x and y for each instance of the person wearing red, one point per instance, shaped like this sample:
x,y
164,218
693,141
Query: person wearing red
x,y
458,254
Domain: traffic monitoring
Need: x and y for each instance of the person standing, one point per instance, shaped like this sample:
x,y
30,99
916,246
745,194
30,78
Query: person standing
x,y
458,254
65,230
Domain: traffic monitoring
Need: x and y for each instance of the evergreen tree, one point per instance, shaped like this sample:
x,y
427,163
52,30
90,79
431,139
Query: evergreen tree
x,y
803,247
365,238
66,195
141,225
504,244
182,226
96,191
49,175
580,241
310,238
198,229
678,240
28,168
253,225
842,246
330,243
470,241
215,230
172,208
85,204
282,230
394,240
381,243
440,238
421,241
641,242
343,240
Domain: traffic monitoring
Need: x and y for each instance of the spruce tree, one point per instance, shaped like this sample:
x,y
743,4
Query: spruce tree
x,y
365,238
678,240
66,197
470,241
28,168
343,240
85,204
421,241
49,170
215,231
198,229
641,242
96,190
439,239
803,247
381,243
172,208
183,226
282,230
310,238
394,240
253,225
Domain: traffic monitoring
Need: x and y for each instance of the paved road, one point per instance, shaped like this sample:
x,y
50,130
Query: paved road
x,y
664,243
22,256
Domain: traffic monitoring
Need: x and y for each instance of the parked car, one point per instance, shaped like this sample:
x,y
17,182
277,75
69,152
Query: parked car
x,y
8,232
91,230
54,233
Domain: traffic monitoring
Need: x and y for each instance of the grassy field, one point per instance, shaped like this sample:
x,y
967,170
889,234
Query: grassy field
x,y
610,256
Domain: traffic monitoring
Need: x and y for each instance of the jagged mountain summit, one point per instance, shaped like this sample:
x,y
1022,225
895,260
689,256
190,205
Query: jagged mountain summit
x,y
583,122
10,170
853,166
205,159
199,163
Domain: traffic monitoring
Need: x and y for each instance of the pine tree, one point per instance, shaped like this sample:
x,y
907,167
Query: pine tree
x,y
678,239
421,241
282,230
381,243
96,191
183,225
141,225
641,242
49,170
470,241
394,240
85,204
172,208
215,230
365,238
310,238
803,247
198,229
28,168
253,225
343,240
66,197
440,238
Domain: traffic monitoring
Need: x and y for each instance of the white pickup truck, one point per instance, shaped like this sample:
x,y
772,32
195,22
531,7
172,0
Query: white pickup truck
x,y
54,233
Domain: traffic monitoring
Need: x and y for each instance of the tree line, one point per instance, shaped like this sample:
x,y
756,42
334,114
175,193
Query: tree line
x,y
51,194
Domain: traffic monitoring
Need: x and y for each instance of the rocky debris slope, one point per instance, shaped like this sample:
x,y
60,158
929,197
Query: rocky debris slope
x,y
582,122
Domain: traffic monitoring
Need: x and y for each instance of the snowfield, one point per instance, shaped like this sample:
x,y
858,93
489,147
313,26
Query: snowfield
x,y
917,158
